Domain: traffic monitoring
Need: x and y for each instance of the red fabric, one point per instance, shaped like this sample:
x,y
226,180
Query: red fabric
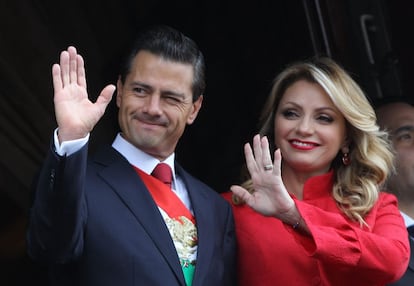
x,y
339,252
165,198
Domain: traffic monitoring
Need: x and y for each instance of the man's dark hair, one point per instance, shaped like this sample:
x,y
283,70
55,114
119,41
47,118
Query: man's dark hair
x,y
378,102
172,45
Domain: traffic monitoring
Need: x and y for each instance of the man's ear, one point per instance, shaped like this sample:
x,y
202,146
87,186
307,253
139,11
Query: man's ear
x,y
196,106
119,87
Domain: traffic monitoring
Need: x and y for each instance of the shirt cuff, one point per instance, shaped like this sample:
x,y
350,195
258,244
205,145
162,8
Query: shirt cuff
x,y
67,148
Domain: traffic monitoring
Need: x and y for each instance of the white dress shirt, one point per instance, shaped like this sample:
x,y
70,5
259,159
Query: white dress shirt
x,y
134,156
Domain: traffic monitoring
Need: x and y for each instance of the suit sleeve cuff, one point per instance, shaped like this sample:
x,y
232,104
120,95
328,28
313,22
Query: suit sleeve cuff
x,y
67,148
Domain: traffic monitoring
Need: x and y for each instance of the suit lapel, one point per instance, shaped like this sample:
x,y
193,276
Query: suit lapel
x,y
411,263
123,179
205,228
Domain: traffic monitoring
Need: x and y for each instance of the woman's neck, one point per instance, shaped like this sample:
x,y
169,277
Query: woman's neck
x,y
294,180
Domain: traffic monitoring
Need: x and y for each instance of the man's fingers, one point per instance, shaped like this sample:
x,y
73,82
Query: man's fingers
x,y
73,70
64,67
81,71
57,79
106,95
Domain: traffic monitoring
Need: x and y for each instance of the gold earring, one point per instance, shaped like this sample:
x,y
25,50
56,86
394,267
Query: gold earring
x,y
345,159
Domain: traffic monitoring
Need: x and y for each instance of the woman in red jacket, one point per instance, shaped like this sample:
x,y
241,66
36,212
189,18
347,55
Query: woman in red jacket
x,y
314,213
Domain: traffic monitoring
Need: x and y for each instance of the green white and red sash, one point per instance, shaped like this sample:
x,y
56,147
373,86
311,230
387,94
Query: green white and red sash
x,y
179,220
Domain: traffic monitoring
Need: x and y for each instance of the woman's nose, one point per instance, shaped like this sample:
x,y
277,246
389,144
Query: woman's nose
x,y
305,126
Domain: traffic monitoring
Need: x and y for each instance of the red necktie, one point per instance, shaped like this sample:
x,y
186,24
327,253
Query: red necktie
x,y
163,173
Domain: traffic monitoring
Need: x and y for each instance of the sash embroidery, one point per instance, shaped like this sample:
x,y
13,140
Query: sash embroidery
x,y
179,220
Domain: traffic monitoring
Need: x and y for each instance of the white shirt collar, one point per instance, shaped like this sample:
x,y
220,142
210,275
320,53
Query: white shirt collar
x,y
407,219
139,158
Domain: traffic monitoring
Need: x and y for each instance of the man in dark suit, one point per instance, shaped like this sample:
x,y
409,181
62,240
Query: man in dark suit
x,y
105,220
396,114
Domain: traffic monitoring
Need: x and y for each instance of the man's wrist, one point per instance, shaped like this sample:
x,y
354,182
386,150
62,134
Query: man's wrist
x,y
69,147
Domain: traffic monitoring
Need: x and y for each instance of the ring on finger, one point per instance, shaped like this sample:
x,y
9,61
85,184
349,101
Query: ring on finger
x,y
268,167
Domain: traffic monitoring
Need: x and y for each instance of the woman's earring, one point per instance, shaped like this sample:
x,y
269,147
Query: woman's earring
x,y
345,159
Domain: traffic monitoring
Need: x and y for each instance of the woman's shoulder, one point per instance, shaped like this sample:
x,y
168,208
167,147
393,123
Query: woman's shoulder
x,y
386,201
385,196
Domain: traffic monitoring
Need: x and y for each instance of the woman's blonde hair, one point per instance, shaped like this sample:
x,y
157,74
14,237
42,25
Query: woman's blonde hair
x,y
357,185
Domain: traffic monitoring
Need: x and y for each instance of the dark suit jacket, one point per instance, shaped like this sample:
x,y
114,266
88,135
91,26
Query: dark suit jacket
x,y
96,223
408,277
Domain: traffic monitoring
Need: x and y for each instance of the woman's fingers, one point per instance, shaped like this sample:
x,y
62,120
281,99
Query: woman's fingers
x,y
257,148
277,161
261,154
250,160
266,158
243,194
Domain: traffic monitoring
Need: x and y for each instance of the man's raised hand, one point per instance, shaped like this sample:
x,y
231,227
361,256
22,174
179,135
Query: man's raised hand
x,y
76,115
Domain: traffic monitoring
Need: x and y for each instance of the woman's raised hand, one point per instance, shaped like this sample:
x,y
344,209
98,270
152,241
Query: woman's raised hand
x,y
270,197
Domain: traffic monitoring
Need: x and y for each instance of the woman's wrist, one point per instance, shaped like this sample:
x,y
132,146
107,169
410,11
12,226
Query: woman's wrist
x,y
292,217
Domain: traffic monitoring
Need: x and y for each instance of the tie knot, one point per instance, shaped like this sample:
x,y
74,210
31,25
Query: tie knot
x,y
163,173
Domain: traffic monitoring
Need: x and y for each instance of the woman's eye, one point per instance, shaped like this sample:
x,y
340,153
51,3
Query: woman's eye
x,y
325,118
290,114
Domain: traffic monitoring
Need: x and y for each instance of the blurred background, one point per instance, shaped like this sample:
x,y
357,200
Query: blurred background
x,y
246,43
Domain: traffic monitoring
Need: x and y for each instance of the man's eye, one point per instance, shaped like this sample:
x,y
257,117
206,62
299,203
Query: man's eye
x,y
406,136
138,90
172,98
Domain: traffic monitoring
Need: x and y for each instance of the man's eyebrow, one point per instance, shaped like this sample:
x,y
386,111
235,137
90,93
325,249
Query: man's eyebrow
x,y
164,92
173,93
141,84
403,128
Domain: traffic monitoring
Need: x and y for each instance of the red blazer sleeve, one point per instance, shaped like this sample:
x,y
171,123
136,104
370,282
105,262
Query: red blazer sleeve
x,y
380,249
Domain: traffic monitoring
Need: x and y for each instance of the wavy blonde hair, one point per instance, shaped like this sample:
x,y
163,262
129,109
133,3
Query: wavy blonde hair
x,y
357,185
